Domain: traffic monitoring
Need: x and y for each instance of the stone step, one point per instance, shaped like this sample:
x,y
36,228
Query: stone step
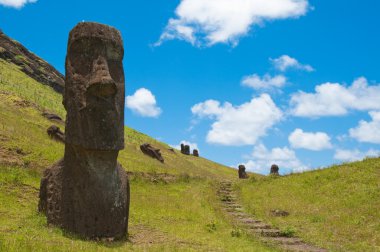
x,y
285,240
267,232
258,225
249,221
236,210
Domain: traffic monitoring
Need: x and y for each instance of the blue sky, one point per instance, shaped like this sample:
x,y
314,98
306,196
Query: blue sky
x,y
292,82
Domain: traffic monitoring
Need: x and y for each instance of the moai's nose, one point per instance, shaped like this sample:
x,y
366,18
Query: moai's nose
x,y
101,82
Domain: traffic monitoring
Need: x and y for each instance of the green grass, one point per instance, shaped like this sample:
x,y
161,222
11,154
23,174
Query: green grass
x,y
337,208
166,215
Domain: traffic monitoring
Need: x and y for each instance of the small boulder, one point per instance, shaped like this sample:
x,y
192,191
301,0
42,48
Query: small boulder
x,y
274,170
55,133
242,173
149,150
279,213
195,153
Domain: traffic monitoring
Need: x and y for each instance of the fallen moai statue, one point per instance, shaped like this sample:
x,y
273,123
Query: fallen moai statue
x,y
52,117
274,170
242,173
149,150
55,133
87,192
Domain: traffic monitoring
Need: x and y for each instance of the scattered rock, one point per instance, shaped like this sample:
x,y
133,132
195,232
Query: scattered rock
x,y
55,133
149,150
278,212
274,169
195,153
171,149
242,173
87,192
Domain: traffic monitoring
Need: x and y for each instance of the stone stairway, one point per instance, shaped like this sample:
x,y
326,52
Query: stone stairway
x,y
256,227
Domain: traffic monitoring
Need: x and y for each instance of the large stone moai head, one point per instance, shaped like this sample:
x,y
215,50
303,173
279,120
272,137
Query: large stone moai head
x,y
242,173
87,192
94,91
274,169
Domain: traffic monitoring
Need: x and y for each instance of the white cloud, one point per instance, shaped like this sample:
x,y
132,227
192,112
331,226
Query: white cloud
x,y
143,103
267,82
354,155
368,132
263,159
202,22
192,145
16,3
308,140
239,125
286,62
334,99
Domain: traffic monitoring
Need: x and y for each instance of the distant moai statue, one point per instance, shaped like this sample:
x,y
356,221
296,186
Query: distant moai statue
x,y
87,192
195,153
242,173
274,170
185,149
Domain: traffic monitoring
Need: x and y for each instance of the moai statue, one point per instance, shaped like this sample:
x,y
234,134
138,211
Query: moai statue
x,y
274,170
87,192
195,153
187,149
242,173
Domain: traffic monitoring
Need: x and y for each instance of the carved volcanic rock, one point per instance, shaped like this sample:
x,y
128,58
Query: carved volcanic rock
x,y
12,51
87,192
149,150
185,149
55,133
274,169
242,173
195,153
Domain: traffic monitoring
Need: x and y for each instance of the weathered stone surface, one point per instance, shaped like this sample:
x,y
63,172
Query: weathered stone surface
x,y
242,173
149,150
195,153
55,133
274,169
87,192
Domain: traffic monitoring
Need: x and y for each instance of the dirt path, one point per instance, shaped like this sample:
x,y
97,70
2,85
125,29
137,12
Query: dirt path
x,y
256,227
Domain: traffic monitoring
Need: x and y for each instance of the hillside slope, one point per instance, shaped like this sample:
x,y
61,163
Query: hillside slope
x,y
35,67
173,205
337,208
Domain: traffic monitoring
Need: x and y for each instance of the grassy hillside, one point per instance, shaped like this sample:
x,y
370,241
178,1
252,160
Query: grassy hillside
x,y
337,208
173,205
